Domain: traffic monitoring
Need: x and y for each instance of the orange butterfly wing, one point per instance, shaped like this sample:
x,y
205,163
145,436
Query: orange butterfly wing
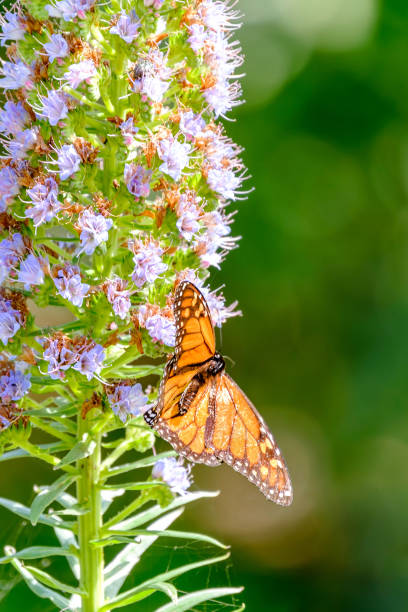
x,y
195,340
240,437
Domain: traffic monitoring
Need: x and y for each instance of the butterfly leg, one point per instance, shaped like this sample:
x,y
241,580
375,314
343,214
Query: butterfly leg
x,y
188,395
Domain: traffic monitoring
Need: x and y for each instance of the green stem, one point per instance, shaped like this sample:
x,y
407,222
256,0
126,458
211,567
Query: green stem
x,y
91,558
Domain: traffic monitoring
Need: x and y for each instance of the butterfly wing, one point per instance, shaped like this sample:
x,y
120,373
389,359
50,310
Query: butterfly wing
x,y
195,339
187,433
240,437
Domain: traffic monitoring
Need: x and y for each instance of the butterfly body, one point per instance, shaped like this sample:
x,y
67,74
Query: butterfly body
x,y
203,413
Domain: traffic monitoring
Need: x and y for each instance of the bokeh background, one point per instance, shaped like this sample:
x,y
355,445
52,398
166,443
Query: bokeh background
x,y
321,276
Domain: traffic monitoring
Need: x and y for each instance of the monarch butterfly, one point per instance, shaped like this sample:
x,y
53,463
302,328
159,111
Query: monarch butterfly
x,y
203,413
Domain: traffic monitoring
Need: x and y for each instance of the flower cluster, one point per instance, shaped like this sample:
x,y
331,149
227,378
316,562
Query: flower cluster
x,y
114,184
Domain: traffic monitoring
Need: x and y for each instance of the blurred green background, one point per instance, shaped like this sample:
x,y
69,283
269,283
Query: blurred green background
x,y
322,279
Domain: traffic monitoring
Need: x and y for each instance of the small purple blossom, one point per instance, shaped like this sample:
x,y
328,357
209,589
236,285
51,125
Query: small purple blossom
x,y
224,181
68,161
89,360
198,37
188,214
161,328
137,180
13,386
10,320
70,9
94,230
59,358
16,75
191,125
13,118
11,251
70,286
22,142
44,196
174,155
171,471
54,107
128,130
56,48
9,186
77,73
31,272
118,295
127,400
12,27
148,262
154,81
127,26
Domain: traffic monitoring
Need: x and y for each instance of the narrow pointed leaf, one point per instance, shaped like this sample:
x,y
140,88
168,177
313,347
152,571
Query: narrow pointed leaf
x,y
37,552
166,576
81,450
143,592
52,582
20,453
137,486
135,465
120,567
68,541
47,495
185,535
62,603
25,513
187,602
157,510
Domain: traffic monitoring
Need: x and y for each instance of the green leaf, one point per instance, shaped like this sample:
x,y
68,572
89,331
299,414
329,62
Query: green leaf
x,y
81,450
52,582
68,541
25,513
37,552
20,453
39,589
141,463
117,538
142,592
120,567
47,495
157,510
125,598
137,486
187,602
136,371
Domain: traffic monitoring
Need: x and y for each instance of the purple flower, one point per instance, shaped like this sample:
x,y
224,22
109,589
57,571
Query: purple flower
x,y
13,386
68,161
11,250
118,296
59,358
128,130
10,320
9,186
31,272
148,262
69,9
82,71
137,180
127,399
222,97
161,328
13,118
89,360
94,230
16,75
171,471
156,4
57,48
216,237
198,37
191,125
154,80
54,107
188,215
22,142
174,155
70,286
12,27
44,196
224,181
127,26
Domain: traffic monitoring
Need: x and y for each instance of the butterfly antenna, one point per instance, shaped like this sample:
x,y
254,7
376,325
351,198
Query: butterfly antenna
x,y
231,361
